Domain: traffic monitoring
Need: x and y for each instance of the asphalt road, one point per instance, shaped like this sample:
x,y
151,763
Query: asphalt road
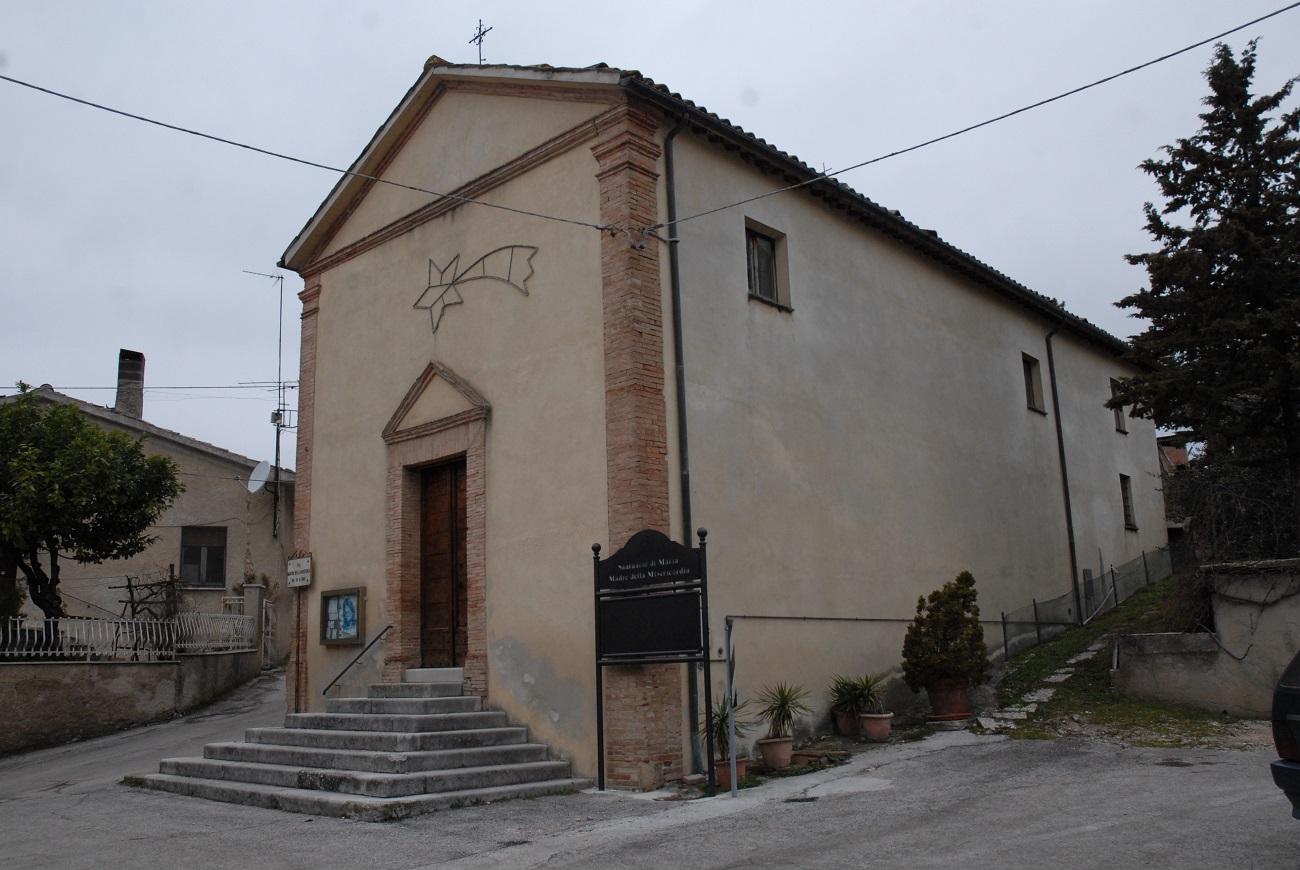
x,y
953,800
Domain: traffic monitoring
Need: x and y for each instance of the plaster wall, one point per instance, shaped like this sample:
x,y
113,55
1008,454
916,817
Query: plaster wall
x,y
863,448
1097,454
470,126
534,360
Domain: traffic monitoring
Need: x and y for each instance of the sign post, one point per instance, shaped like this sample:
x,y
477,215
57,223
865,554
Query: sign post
x,y
652,607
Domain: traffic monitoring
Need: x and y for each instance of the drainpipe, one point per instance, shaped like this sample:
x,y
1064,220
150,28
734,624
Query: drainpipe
x,y
683,451
1065,476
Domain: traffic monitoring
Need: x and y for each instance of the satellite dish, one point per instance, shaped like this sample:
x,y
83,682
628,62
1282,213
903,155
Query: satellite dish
x,y
259,477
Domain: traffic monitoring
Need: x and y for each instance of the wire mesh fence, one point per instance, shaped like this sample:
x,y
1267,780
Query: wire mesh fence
x,y
1039,621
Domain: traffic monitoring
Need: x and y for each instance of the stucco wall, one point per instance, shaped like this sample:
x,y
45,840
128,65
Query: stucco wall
x,y
846,456
1257,617
537,361
51,703
865,447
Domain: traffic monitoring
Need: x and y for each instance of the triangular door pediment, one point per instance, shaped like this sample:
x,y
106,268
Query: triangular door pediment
x,y
439,399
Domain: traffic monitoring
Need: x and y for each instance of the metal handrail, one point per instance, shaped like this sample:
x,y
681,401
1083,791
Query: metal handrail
x,y
357,659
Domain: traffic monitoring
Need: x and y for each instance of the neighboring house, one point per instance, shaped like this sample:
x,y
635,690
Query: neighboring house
x,y
853,408
215,533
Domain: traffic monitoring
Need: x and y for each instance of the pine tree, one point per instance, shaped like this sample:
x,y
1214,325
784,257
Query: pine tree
x,y
1222,350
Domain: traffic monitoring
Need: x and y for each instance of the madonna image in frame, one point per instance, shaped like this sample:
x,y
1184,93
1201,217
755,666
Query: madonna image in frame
x,y
343,616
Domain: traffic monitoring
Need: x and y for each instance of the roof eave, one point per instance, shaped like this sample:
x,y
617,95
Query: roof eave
x,y
863,209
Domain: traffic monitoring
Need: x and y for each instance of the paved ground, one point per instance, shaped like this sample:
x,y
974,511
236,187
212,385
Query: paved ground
x,y
955,799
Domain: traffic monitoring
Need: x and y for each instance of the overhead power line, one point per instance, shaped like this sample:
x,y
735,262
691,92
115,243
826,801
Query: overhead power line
x,y
268,385
647,230
279,155
1002,117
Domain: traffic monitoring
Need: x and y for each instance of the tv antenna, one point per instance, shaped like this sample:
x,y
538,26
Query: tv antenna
x,y
278,416
478,39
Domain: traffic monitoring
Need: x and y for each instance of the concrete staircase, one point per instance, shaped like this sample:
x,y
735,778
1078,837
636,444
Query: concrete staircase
x,y
408,748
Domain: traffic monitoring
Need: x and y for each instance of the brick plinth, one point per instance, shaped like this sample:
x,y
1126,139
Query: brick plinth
x,y
643,710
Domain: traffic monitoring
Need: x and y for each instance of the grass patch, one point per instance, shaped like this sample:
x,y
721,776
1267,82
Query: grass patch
x,y
1086,704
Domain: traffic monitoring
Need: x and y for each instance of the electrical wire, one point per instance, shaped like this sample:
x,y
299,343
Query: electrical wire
x,y
986,123
302,161
268,386
648,231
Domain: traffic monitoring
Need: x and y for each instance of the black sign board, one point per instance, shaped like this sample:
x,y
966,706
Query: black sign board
x,y
652,607
649,558
656,626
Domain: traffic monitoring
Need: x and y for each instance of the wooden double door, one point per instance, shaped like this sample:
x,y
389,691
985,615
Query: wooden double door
x,y
443,637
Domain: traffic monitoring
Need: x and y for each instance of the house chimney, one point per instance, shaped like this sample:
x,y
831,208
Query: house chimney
x,y
130,384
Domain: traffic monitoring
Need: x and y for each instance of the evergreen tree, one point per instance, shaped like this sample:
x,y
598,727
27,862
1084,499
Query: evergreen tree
x,y
1223,346
69,489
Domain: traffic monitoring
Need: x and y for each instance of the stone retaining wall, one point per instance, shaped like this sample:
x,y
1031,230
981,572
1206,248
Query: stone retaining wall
x,y
51,703
1257,617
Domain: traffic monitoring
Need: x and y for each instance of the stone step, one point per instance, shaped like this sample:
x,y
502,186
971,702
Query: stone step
x,y
405,706
389,722
383,741
413,690
376,762
356,782
434,675
364,809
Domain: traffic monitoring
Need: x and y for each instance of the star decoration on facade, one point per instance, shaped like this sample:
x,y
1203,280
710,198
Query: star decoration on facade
x,y
510,265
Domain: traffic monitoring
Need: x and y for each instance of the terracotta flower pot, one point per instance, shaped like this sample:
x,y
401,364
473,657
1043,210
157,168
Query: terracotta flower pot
x,y
776,752
949,698
876,727
722,771
846,724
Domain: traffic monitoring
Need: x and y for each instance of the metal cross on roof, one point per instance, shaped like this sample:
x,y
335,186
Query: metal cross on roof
x,y
478,39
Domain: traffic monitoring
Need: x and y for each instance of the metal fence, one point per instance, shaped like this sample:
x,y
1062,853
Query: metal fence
x,y
1038,621
268,633
123,640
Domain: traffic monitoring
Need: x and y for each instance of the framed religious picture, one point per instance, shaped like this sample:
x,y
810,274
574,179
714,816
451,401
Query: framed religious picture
x,y
343,616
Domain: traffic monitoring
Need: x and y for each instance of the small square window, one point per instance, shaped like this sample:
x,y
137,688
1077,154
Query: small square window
x,y
1033,384
1121,419
203,556
1126,493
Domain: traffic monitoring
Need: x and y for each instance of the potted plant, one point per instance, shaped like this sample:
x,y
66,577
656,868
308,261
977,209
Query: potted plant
x,y
875,722
780,705
944,650
722,741
847,704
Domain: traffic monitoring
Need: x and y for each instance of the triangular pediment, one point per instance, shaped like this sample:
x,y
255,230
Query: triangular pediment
x,y
438,399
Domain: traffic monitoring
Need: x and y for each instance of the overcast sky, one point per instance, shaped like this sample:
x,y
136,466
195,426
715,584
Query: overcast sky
x,y
117,234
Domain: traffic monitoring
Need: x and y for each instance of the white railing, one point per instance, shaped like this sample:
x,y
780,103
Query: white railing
x,y
81,639
268,633
214,632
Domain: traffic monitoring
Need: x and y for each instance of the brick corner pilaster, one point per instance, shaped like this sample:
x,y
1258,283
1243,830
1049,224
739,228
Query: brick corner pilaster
x,y
643,710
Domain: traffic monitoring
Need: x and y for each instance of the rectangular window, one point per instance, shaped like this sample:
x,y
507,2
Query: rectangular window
x,y
1033,384
1126,493
1121,424
203,556
766,265
761,251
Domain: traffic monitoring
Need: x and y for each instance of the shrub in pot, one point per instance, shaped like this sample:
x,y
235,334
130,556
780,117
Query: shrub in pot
x,y
944,651
781,704
722,741
875,722
847,704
